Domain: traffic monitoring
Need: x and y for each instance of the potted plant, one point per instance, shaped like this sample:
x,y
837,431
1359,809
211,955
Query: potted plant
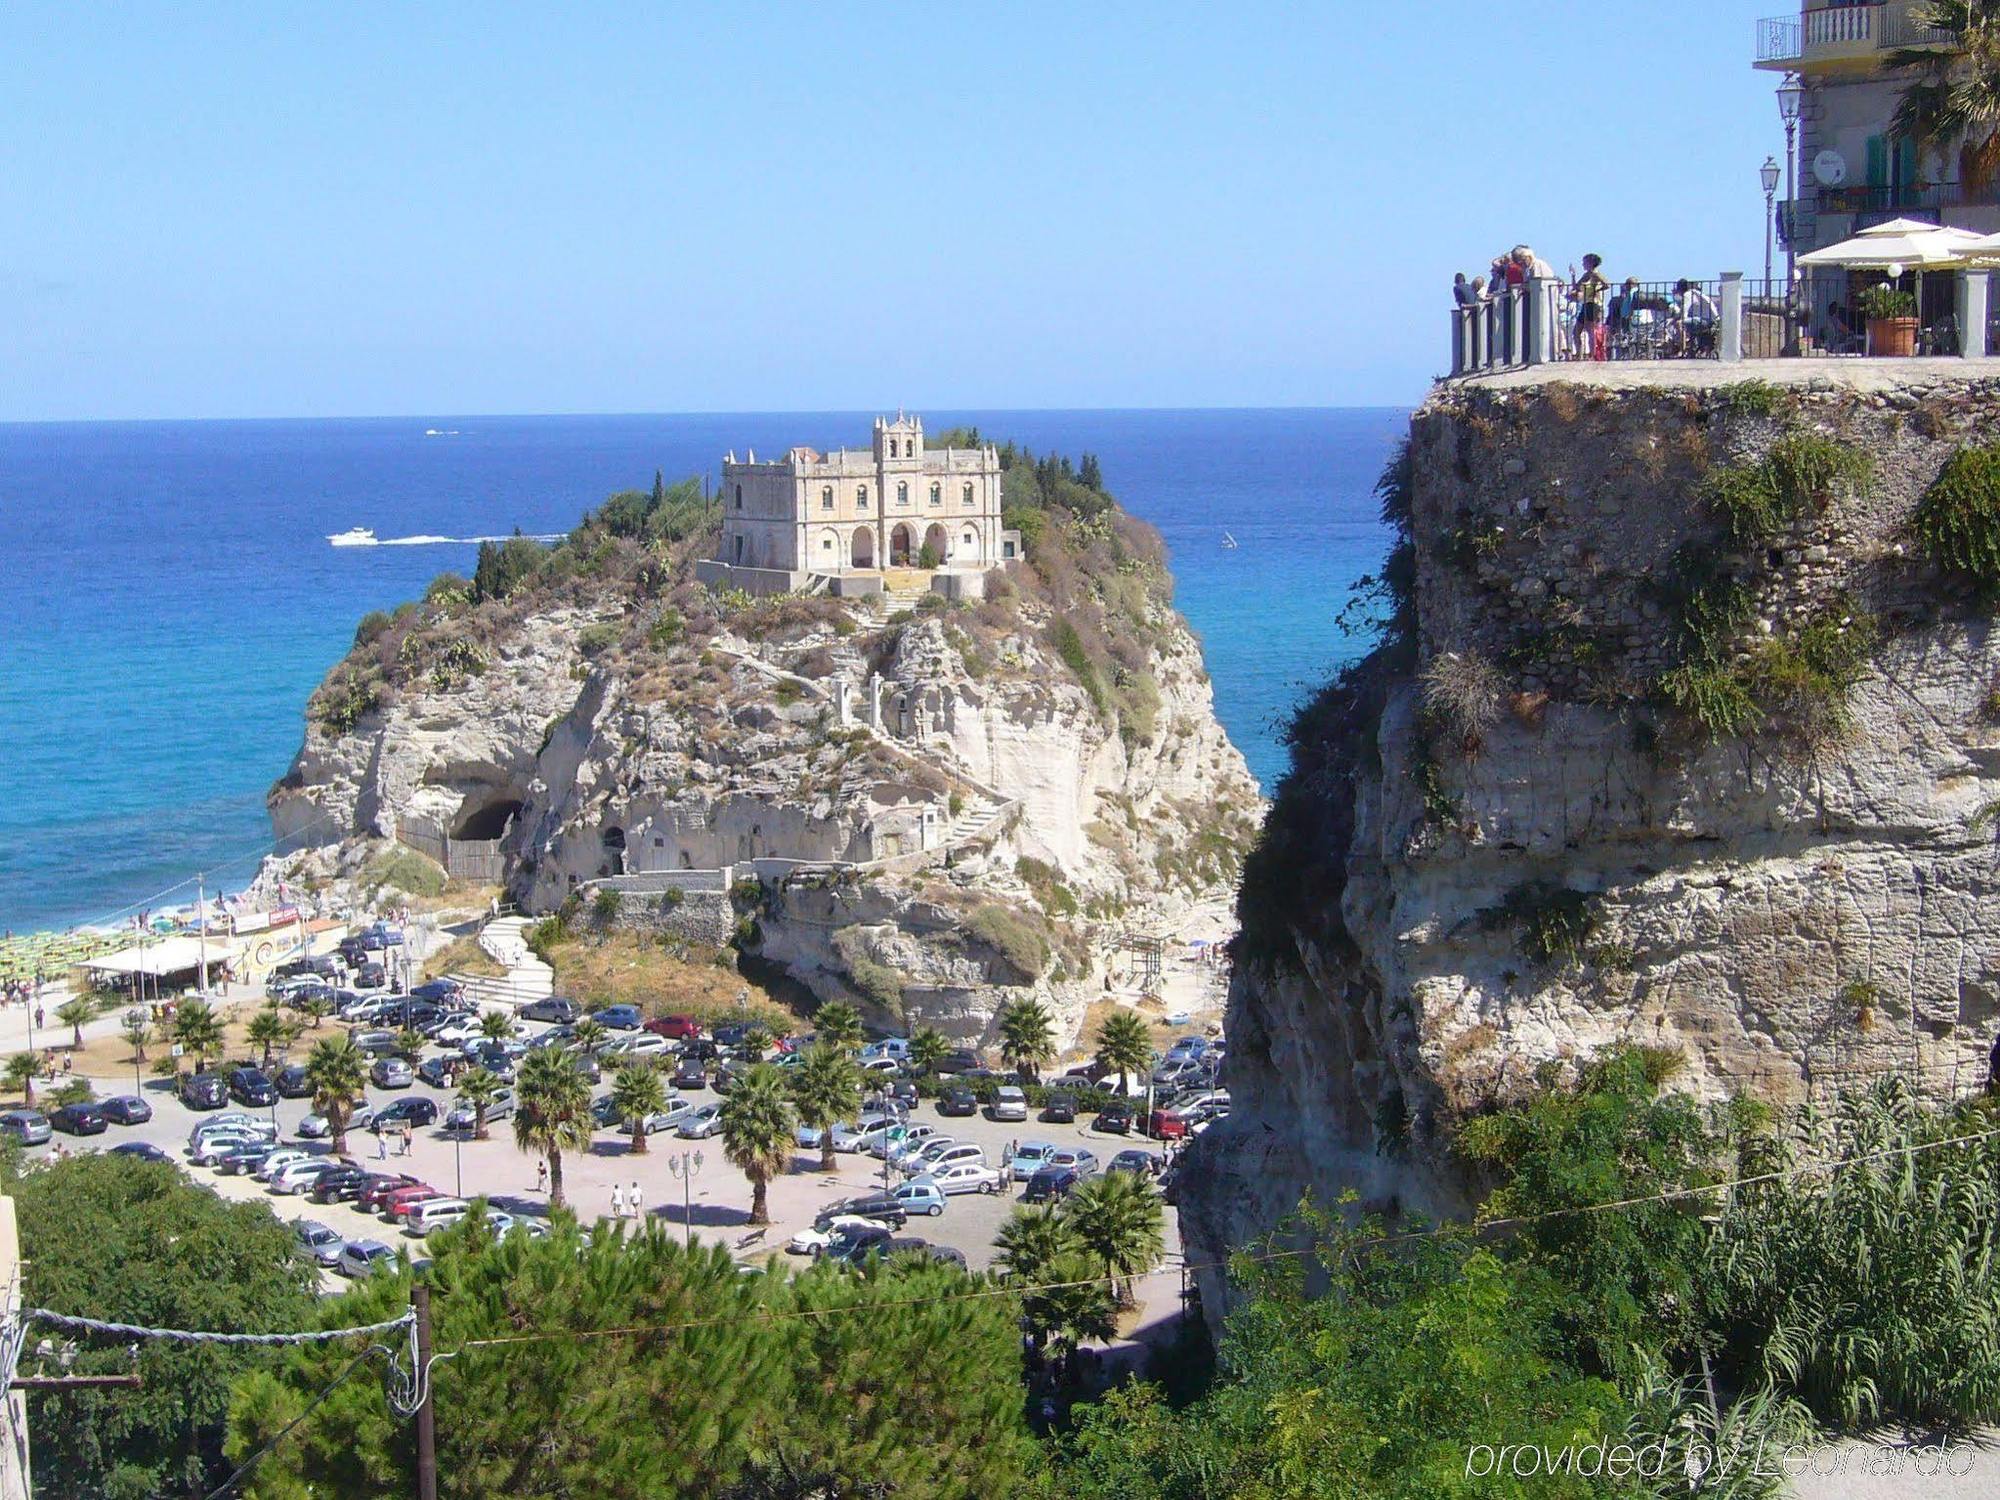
x,y
1891,315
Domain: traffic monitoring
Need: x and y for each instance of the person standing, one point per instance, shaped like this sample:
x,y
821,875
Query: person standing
x,y
636,1204
617,1202
381,1146
1589,290
542,1174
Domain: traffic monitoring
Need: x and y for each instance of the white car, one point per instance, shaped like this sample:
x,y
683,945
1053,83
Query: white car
x,y
915,1138
277,1161
850,1135
964,1177
636,1044
316,1126
705,1121
434,1214
814,1241
880,1065
877,1140
462,1116
457,1031
1009,1103
216,1144
942,1153
679,1107
236,1121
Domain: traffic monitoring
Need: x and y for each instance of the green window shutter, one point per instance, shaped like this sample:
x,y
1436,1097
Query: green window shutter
x,y
1878,161
1906,163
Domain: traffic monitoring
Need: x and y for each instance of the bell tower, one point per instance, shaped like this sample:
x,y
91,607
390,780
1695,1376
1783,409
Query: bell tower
x,y
899,443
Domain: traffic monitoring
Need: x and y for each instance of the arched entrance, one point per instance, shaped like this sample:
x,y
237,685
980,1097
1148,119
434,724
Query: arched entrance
x,y
968,546
900,547
935,540
864,547
614,851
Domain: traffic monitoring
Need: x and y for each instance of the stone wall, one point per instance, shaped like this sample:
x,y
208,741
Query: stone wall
x,y
702,918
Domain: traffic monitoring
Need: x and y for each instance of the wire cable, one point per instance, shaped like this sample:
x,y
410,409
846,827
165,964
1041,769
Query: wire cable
x,y
279,1436
75,1324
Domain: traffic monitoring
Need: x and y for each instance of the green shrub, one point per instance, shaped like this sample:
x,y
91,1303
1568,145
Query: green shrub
x,y
668,630
1754,398
927,556
1553,924
1884,300
345,698
595,640
1069,647
1956,524
370,628
405,870
1019,937
605,905
1711,695
506,566
1046,881
1800,471
877,983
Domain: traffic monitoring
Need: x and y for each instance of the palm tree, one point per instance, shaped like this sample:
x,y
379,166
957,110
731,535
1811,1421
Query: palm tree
x,y
636,1092
75,1013
1027,1037
838,1024
1120,1222
757,1125
337,1072
495,1026
198,1032
410,1043
268,1029
587,1035
552,1111
138,1029
826,1089
928,1049
1061,1298
20,1076
1124,1046
1954,94
316,1008
756,1042
479,1088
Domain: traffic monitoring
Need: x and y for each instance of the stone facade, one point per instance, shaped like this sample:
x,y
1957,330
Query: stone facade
x,y
809,515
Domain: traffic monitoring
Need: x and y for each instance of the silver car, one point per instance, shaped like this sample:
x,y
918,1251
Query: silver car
x,y
361,1258
28,1126
316,1126
462,1116
392,1073
321,1243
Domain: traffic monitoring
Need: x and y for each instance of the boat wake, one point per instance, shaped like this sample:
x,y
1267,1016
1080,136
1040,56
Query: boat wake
x,y
361,536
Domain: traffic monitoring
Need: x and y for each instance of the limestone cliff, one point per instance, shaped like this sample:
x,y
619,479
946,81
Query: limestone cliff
x,y
1684,732
927,804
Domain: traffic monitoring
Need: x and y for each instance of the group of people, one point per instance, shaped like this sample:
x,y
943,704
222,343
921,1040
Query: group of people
x,y
1600,321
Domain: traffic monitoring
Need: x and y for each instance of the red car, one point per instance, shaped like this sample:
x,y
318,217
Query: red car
x,y
687,1028
1165,1125
404,1199
378,1189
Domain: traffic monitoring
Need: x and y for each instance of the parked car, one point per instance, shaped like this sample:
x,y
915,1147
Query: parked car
x,y
553,1008
250,1086
1079,1157
244,1159
300,1175
126,1109
1030,1157
1059,1108
144,1150
877,1139
916,1135
703,1121
291,1082
432,1214
896,1048
1052,1184
633,1044
732,1033
456,1031
825,1230
414,1112
321,1243
881,1207
369,976
392,1073
380,935
202,1091
275,1161
681,1028
375,1192
361,1258
376,1041
212,1149
960,1060
1145,1163
919,1198
880,1068
966,1176
316,1126
958,1102
852,1246
78,1119
442,1072
691,1074
619,1017
1115,1117
944,1255
462,1116
1177,1072
400,1201
1188,1047
236,1120
1009,1103
1166,1125
439,991
344,1182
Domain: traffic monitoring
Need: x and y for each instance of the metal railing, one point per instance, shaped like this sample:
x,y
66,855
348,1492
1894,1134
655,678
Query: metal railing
x,y
1844,31
1780,39
1549,322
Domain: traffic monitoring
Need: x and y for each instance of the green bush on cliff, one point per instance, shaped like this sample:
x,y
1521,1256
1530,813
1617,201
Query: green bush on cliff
x,y
1801,471
1020,937
1552,923
1956,525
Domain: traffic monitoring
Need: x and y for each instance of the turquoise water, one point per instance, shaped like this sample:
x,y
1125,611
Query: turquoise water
x,y
171,598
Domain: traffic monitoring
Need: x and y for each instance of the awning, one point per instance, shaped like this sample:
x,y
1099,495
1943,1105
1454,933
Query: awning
x,y
1908,243
174,955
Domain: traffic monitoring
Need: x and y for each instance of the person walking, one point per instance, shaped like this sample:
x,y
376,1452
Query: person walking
x,y
617,1202
542,1174
381,1146
636,1204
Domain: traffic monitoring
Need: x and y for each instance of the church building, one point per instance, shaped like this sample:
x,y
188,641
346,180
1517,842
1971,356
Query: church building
x,y
848,514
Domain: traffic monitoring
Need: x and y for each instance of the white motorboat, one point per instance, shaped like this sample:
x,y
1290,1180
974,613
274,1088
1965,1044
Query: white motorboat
x,y
356,536
1228,541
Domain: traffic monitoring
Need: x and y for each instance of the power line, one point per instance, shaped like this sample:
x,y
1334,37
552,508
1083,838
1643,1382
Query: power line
x,y
256,852
279,1436
75,1324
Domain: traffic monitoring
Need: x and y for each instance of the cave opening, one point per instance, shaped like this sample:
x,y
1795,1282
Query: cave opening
x,y
489,820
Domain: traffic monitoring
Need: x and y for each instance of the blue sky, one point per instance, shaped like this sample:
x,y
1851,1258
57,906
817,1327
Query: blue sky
x,y
344,210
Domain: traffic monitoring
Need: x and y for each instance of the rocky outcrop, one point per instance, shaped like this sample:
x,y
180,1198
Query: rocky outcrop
x,y
1685,734
949,793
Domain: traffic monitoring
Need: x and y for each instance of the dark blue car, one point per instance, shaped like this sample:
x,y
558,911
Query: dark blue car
x,y
619,1017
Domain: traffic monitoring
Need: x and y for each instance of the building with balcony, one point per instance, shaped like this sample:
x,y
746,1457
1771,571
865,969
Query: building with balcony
x,y
1852,169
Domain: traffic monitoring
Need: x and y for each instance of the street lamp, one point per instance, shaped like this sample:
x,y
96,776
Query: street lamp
x,y
1791,104
686,1167
1769,174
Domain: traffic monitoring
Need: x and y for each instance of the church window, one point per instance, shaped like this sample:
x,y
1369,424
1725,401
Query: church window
x,y
826,498
937,494
902,494
739,497
892,447
861,496
968,494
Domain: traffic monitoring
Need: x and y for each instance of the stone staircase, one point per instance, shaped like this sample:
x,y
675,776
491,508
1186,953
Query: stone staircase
x,y
972,819
527,978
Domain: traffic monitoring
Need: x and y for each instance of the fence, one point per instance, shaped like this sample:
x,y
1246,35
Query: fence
x,y
1730,318
477,860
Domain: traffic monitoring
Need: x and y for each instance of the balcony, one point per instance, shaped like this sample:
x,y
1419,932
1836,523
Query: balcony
x,y
1834,38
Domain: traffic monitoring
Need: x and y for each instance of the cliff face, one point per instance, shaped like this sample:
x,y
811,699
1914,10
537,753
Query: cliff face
x,y
1686,735
962,796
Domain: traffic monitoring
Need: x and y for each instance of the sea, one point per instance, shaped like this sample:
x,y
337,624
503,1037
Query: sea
x,y
169,595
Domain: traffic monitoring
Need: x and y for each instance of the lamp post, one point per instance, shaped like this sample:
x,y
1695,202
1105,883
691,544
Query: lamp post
x,y
1768,173
132,1019
686,1167
1791,103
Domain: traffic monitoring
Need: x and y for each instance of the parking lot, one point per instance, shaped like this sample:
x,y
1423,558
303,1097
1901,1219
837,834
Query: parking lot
x,y
713,1205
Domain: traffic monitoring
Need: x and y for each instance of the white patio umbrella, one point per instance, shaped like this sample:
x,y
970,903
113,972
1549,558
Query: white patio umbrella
x,y
1900,242
1983,254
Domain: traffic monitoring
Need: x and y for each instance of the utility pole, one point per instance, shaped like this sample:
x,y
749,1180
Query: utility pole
x,y
201,932
427,1476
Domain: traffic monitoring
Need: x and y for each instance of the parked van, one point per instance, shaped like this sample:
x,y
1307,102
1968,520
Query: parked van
x,y
434,1213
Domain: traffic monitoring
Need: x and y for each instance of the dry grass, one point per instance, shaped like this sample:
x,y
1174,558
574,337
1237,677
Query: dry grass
x,y
630,969
464,956
111,1056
